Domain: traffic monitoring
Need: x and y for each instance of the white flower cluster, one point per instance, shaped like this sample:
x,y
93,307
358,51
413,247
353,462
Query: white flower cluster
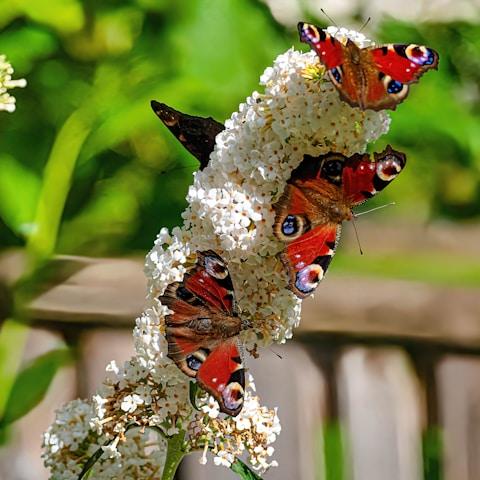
x,y
253,431
134,397
70,441
230,211
7,101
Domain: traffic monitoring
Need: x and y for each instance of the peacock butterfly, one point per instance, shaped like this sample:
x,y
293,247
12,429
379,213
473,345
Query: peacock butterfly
x,y
201,330
373,78
196,134
318,197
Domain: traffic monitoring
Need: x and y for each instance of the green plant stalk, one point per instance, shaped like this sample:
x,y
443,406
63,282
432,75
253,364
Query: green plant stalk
x,y
175,453
432,447
56,185
333,451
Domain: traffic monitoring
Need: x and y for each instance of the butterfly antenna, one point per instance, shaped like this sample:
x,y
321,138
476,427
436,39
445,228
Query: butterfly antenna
x,y
276,353
365,24
356,234
329,17
376,208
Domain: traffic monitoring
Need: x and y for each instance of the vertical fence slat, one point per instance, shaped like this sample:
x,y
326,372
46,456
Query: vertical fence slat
x,y
380,405
425,361
459,387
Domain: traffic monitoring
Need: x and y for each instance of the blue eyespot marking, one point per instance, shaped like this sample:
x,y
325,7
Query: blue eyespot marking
x,y
336,74
289,225
429,58
308,278
422,56
193,363
394,86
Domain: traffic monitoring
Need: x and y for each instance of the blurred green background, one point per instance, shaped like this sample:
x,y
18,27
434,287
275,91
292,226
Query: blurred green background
x,y
116,175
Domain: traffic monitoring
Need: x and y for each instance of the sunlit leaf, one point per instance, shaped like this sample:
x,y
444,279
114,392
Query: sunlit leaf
x,y
19,189
13,335
56,184
63,15
41,44
31,384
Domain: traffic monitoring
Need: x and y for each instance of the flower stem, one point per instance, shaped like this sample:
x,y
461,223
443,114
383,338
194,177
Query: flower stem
x,y
175,453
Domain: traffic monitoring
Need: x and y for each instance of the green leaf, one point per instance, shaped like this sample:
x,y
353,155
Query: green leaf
x,y
13,335
19,187
175,454
66,16
41,43
193,394
56,185
243,471
32,383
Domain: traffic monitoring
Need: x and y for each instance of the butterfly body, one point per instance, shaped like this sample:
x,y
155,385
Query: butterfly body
x,y
319,196
202,328
373,78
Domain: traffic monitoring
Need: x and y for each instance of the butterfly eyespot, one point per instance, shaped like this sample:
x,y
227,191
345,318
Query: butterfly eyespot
x,y
389,168
310,32
215,268
336,75
193,363
232,396
308,278
420,55
396,89
290,225
332,170
195,360
333,167
394,86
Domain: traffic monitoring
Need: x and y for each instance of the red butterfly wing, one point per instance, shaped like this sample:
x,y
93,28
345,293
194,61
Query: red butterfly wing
x,y
389,70
328,48
404,63
362,179
308,257
299,222
211,282
223,376
200,328
181,340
